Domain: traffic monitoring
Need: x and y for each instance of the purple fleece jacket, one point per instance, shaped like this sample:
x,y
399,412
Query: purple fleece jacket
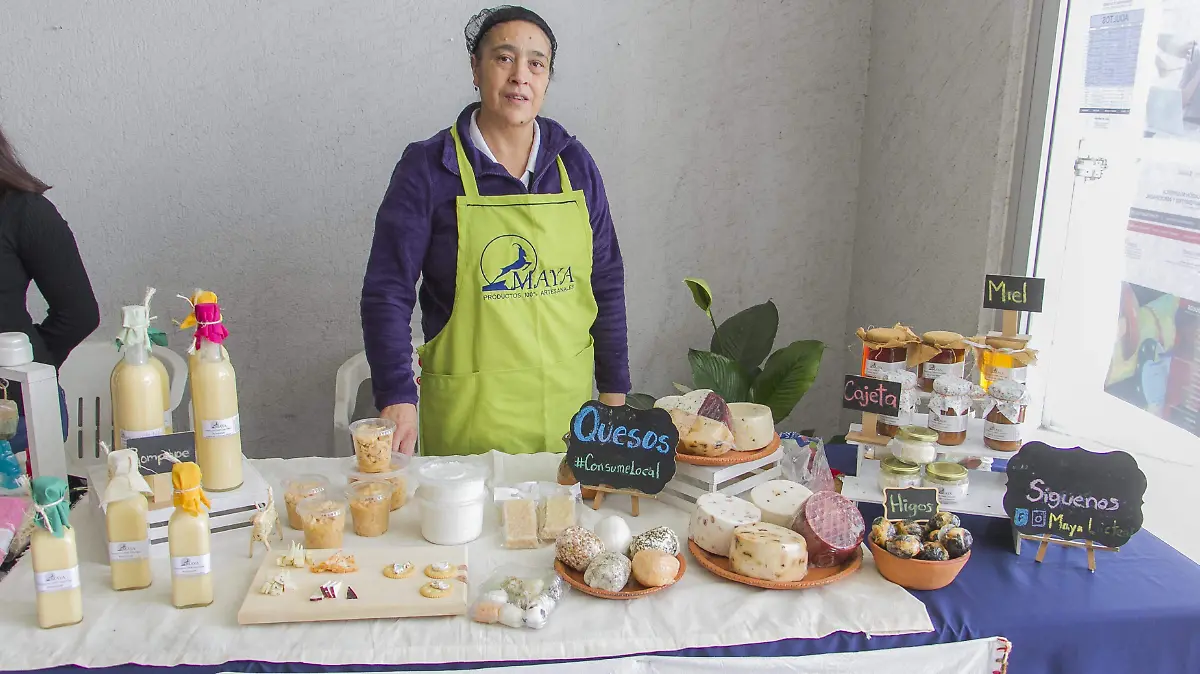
x,y
416,234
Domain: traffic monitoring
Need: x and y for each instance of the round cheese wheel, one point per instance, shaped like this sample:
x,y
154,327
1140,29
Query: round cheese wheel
x,y
779,500
715,518
768,552
831,526
753,426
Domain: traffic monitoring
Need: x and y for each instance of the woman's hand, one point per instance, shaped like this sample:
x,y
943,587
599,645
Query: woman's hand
x,y
405,417
613,399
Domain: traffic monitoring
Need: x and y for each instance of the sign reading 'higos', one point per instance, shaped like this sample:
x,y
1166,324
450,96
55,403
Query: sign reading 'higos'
x,y
622,447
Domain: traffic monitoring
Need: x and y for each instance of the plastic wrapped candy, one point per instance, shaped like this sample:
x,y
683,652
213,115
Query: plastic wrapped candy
x,y
519,597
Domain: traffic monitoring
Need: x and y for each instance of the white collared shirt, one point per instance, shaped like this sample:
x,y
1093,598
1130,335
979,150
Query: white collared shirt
x,y
481,145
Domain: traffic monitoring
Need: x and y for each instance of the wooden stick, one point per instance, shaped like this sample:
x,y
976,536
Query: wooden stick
x,y
1009,320
634,508
1091,557
598,500
1041,553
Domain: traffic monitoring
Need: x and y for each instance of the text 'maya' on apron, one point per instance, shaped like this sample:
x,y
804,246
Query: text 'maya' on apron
x,y
515,361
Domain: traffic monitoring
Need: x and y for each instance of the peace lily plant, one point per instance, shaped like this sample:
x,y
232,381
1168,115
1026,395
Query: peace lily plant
x,y
734,366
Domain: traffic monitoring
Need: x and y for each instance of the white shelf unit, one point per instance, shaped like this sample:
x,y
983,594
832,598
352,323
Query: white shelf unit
x,y
691,481
972,446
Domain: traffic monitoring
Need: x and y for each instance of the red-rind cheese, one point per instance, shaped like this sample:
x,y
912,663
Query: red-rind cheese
x,y
831,526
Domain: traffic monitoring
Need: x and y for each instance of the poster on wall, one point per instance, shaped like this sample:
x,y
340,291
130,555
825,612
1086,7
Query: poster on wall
x,y
1155,361
1113,42
1173,99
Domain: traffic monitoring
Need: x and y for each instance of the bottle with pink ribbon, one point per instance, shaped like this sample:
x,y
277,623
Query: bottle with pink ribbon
x,y
214,396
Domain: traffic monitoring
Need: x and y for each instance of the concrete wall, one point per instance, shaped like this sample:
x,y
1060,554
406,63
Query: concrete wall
x,y
245,147
942,101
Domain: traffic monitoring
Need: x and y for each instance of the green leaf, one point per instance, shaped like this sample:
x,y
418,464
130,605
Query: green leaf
x,y
157,337
723,375
786,377
641,401
748,335
701,293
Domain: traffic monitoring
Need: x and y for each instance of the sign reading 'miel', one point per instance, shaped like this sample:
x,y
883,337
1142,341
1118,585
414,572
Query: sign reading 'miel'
x,y
1075,494
622,447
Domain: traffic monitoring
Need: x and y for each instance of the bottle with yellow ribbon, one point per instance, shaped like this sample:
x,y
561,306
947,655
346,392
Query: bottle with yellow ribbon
x,y
214,396
138,385
55,560
188,538
125,508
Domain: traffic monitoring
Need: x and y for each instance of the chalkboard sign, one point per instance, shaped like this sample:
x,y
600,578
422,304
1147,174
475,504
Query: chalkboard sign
x,y
622,447
1014,293
870,395
1075,494
910,503
150,450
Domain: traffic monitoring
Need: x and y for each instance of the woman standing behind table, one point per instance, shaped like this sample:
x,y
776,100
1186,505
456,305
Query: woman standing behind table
x,y
37,245
505,218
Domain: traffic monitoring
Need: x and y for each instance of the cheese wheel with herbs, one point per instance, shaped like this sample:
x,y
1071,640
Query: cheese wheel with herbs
x,y
715,518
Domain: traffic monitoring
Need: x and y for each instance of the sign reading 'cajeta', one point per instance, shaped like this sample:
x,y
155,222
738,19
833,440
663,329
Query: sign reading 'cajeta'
x,y
622,447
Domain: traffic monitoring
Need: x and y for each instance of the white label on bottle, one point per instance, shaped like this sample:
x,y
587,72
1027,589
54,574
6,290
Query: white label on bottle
x,y
877,370
220,428
904,419
935,370
190,566
951,493
1001,432
128,551
996,373
127,435
947,423
57,581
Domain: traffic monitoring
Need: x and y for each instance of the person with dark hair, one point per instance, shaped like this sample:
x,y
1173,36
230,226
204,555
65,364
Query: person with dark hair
x,y
504,218
37,245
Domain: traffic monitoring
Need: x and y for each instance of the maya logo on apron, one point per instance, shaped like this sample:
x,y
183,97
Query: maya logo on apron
x,y
510,268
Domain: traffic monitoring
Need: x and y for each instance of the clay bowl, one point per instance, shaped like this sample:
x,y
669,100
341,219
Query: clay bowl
x,y
916,574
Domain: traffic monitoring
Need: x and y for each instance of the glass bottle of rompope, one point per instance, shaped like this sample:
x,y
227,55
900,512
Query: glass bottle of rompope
x,y
136,384
214,397
125,508
55,560
188,538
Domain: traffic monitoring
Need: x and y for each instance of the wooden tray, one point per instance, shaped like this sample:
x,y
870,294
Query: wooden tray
x,y
730,458
815,578
633,589
378,596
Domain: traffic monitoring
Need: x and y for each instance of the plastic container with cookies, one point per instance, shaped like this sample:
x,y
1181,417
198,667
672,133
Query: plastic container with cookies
x,y
370,506
324,520
373,444
298,488
397,475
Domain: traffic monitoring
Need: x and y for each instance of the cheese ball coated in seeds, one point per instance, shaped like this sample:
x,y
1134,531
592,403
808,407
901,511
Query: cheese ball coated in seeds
x,y
658,538
577,547
609,571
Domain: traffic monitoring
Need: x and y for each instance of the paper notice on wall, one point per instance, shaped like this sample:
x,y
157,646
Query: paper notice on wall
x,y
1114,39
1156,361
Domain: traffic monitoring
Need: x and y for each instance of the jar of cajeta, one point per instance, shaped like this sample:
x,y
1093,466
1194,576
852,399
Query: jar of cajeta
x,y
941,353
949,408
885,349
887,426
1005,412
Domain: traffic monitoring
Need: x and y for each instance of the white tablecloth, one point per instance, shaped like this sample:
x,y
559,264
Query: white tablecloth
x,y
702,610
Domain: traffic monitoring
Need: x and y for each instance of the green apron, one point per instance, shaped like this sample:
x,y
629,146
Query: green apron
x,y
515,361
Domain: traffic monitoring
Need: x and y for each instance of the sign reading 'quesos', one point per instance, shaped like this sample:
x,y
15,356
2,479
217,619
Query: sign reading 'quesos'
x,y
622,447
1075,494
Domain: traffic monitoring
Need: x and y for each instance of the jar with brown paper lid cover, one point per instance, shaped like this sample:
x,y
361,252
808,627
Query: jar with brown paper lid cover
x,y
1004,414
888,426
1004,357
949,408
941,353
885,349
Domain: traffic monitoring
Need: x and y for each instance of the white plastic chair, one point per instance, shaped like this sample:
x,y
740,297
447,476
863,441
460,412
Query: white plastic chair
x,y
85,380
350,377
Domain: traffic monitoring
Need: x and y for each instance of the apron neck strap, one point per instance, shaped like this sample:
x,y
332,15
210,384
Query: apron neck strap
x,y
471,188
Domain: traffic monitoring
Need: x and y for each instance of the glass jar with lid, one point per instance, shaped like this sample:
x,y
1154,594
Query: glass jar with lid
x,y
888,426
1004,414
1004,358
914,444
950,479
885,349
941,353
897,474
949,408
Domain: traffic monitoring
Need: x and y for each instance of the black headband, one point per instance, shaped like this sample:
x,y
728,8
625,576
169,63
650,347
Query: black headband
x,y
481,23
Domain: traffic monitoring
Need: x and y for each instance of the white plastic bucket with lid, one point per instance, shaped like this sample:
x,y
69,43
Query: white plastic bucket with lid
x,y
451,496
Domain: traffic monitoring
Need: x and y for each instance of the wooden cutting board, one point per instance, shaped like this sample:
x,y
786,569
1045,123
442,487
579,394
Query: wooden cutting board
x,y
378,595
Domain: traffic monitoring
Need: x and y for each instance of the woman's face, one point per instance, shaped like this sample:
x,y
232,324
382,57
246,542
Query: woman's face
x,y
512,71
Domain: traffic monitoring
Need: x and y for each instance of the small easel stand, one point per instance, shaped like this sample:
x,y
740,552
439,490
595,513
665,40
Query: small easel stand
x,y
869,433
1009,321
605,489
1047,540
